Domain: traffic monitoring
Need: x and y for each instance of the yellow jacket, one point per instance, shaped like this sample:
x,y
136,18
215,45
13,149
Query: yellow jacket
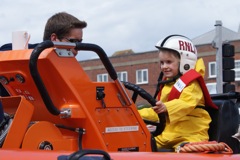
x,y
185,123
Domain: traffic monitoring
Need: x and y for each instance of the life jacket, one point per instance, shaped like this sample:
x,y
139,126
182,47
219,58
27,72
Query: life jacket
x,y
183,81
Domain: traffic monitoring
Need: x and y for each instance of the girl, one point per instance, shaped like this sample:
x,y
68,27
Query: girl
x,y
182,101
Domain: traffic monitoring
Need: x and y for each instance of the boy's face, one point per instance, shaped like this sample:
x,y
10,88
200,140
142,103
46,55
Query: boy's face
x,y
75,35
169,64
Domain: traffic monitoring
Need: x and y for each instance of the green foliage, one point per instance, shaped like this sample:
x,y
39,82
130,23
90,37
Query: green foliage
x,y
141,106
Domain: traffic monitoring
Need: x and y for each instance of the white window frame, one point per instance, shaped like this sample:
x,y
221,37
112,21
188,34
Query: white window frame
x,y
210,65
142,80
121,76
212,88
102,77
237,70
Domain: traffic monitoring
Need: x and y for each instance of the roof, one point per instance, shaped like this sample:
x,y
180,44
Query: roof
x,y
123,52
207,38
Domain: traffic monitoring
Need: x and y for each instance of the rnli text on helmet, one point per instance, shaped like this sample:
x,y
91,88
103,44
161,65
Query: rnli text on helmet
x,y
186,46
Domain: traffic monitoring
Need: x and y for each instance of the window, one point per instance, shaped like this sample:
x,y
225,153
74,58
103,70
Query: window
x,y
102,77
122,76
211,88
142,76
237,70
213,72
212,69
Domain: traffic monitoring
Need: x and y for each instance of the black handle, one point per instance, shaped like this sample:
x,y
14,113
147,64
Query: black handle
x,y
102,55
78,154
37,78
79,46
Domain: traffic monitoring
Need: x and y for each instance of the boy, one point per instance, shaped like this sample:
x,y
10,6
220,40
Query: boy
x,y
64,27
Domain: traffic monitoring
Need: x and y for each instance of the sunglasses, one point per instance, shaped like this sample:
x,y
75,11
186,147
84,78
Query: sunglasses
x,y
73,40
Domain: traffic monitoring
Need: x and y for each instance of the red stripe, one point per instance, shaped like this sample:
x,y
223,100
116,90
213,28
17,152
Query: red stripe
x,y
188,77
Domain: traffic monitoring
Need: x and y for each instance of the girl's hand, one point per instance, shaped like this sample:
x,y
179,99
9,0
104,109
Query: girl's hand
x,y
160,107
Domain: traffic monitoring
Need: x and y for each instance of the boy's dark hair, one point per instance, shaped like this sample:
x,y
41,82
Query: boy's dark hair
x,y
61,24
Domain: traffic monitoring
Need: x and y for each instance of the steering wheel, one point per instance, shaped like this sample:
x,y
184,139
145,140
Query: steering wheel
x,y
139,91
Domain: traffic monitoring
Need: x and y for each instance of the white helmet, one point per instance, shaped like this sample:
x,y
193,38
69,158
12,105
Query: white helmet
x,y
184,47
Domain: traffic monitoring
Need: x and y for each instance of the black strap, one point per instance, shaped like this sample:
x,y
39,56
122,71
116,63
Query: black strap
x,y
158,85
162,82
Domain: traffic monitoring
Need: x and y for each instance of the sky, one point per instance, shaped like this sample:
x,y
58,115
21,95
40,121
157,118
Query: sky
x,y
117,25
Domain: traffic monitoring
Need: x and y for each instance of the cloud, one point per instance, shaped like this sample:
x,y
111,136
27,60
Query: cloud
x,y
120,24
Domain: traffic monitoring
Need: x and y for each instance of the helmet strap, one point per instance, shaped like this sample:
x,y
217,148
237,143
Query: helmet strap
x,y
163,82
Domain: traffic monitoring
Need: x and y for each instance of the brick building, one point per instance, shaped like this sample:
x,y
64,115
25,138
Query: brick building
x,y
143,68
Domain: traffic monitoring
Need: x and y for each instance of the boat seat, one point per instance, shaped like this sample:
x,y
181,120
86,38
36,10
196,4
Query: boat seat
x,y
225,123
8,46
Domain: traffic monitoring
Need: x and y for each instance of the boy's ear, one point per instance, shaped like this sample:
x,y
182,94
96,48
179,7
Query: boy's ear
x,y
54,37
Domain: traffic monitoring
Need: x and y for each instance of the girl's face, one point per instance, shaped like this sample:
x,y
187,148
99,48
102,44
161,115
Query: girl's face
x,y
169,63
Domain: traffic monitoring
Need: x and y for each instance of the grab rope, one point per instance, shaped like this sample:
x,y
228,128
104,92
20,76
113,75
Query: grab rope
x,y
205,147
4,127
